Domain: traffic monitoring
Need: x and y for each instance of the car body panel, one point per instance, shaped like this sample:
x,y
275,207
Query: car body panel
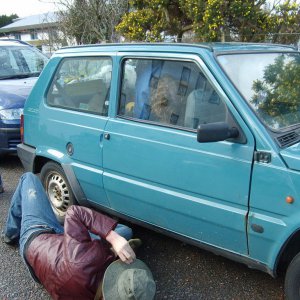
x,y
291,156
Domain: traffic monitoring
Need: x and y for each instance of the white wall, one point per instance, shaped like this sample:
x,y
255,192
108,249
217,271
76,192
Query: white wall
x,y
25,37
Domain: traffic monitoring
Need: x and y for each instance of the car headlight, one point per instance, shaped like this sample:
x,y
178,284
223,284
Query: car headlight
x,y
11,114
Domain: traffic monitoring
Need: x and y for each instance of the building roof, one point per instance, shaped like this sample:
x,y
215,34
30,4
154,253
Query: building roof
x,y
32,22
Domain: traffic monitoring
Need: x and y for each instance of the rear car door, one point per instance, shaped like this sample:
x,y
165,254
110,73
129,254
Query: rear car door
x,y
154,168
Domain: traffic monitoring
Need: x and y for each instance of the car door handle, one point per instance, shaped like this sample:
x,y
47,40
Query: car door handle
x,y
107,136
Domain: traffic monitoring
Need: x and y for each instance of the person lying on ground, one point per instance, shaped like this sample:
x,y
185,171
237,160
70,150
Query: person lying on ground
x,y
70,260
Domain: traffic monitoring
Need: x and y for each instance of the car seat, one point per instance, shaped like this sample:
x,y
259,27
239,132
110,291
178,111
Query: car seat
x,y
204,106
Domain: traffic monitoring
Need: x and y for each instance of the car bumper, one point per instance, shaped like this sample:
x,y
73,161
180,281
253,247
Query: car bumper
x,y
27,156
9,139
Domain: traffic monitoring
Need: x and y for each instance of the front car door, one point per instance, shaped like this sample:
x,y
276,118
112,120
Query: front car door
x,y
154,168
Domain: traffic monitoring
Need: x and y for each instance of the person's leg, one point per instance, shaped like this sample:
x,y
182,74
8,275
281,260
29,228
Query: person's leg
x,y
13,223
30,208
1,185
30,213
36,208
122,230
37,213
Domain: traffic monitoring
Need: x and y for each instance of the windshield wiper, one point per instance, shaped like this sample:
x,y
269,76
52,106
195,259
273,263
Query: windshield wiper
x,y
20,76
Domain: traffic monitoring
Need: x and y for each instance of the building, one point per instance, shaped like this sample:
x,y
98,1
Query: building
x,y
39,30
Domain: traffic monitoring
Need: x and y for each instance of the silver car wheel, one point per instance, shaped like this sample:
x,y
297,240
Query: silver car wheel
x,y
58,193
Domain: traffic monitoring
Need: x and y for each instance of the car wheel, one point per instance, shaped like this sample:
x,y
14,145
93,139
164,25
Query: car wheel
x,y
57,188
292,279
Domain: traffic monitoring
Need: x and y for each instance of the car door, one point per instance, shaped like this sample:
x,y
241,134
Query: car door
x,y
154,168
77,108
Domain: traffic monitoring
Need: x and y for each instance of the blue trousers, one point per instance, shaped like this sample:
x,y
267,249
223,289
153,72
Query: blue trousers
x,y
30,212
1,185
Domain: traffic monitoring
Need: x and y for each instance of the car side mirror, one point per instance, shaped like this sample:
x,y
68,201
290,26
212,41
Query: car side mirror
x,y
215,132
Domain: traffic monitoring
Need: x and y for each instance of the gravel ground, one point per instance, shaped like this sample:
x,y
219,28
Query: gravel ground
x,y
181,271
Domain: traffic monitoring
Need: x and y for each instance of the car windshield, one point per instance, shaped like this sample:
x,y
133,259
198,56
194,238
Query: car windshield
x,y
20,62
270,82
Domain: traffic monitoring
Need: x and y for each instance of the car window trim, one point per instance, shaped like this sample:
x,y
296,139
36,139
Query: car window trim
x,y
192,58
64,58
272,132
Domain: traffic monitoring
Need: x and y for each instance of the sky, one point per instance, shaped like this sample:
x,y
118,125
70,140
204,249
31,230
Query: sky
x,y
24,8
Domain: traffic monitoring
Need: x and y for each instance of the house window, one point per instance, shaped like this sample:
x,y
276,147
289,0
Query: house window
x,y
53,34
33,35
17,36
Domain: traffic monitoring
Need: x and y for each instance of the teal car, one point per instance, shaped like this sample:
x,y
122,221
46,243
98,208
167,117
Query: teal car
x,y
199,141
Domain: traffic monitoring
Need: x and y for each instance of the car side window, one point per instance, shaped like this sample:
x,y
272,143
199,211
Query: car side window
x,y
82,84
169,92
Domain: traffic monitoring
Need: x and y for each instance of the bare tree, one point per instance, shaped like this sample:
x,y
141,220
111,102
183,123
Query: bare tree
x,y
90,21
50,34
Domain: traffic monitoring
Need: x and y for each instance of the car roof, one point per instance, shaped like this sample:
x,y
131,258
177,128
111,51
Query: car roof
x,y
248,47
12,42
217,48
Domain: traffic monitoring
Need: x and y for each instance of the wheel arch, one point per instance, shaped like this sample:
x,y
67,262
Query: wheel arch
x,y
75,185
40,161
287,252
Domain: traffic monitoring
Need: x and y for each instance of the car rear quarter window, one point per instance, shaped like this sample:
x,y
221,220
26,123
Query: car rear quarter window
x,y
82,84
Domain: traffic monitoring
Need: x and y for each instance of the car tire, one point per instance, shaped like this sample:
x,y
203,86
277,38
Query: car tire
x,y
292,280
57,188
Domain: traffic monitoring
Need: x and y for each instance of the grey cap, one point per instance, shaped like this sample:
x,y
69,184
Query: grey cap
x,y
133,281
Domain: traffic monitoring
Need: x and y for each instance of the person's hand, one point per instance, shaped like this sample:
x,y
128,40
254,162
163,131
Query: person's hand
x,y
121,247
